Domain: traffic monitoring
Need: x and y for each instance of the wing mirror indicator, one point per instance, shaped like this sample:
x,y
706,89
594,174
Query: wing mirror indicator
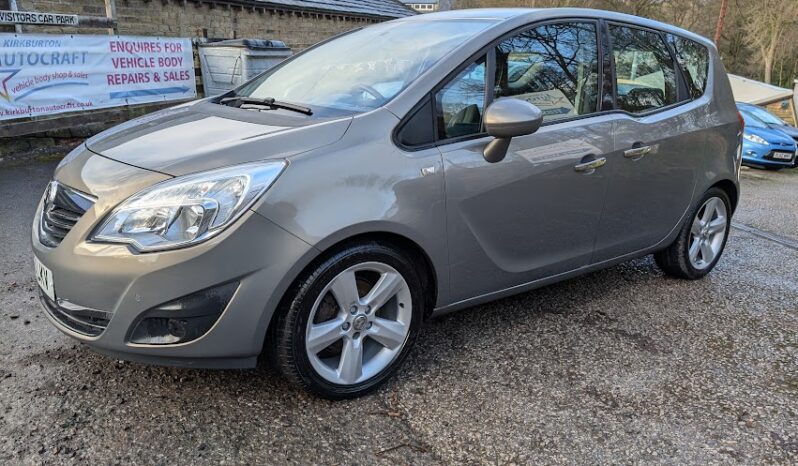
x,y
505,119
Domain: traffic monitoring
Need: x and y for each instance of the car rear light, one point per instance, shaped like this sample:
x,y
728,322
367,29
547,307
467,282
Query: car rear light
x,y
742,121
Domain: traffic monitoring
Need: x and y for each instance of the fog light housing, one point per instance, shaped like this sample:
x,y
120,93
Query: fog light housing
x,y
184,319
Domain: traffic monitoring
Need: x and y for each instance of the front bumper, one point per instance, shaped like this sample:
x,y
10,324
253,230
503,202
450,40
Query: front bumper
x,y
757,154
123,284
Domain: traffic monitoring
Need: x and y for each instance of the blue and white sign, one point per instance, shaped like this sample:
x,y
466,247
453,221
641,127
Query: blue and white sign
x,y
46,74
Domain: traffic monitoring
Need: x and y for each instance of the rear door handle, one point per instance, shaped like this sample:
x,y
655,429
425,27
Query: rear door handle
x,y
637,152
591,165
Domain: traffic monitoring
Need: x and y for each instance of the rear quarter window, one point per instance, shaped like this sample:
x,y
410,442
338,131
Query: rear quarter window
x,y
694,60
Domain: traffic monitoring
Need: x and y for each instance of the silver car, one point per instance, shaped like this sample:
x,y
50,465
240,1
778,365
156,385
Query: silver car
x,y
323,211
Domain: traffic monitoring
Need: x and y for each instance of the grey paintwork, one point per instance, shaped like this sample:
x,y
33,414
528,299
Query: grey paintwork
x,y
488,229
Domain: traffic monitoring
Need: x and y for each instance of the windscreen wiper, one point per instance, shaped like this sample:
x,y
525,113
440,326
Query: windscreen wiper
x,y
268,102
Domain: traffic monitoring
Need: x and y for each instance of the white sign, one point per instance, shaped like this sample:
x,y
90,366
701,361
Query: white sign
x,y
32,17
46,74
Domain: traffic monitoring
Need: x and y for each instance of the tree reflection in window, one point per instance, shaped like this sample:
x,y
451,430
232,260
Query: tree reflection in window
x,y
645,75
554,66
460,103
694,59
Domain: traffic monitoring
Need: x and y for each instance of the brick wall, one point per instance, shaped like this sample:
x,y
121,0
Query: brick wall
x,y
218,20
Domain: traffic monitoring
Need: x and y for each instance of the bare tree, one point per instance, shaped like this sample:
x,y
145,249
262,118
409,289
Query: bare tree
x,y
755,37
767,23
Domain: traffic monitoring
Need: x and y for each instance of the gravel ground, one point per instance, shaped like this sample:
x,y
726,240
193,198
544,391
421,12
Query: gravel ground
x,y
619,366
774,194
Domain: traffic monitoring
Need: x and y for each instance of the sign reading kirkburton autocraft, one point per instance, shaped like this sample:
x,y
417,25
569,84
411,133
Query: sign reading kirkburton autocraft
x,y
46,74
32,17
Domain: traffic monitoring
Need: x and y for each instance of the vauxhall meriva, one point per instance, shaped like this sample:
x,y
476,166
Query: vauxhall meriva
x,y
321,212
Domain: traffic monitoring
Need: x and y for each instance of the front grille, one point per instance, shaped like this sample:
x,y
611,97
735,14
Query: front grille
x,y
63,207
89,322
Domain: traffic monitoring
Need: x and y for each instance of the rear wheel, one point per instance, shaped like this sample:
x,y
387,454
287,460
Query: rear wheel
x,y
350,322
701,240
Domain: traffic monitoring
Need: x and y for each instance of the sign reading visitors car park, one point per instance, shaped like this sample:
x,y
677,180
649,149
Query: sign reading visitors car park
x,y
43,74
32,17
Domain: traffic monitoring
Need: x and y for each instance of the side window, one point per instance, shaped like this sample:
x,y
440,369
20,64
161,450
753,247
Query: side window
x,y
644,69
460,104
694,59
554,66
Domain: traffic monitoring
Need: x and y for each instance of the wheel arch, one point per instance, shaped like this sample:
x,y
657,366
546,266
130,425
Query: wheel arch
x,y
424,264
731,190
331,245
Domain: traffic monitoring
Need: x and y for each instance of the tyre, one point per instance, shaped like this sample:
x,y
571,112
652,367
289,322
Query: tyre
x,y
349,322
701,240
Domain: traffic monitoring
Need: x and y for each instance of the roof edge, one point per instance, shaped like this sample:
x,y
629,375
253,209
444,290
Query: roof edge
x,y
276,5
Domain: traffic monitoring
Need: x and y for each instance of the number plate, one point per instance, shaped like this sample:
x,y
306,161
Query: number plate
x,y
782,155
44,277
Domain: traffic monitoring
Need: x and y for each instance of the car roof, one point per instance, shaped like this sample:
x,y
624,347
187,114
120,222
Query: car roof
x,y
526,15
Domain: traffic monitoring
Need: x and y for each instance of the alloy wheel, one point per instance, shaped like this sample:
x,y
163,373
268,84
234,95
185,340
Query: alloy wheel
x,y
359,323
707,233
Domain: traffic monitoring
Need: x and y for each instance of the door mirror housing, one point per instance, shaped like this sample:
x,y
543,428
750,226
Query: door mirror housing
x,y
508,118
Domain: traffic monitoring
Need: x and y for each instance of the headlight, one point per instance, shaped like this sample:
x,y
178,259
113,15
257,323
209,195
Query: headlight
x,y
756,139
188,209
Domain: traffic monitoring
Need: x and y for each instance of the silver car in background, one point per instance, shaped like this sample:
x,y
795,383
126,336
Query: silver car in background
x,y
320,213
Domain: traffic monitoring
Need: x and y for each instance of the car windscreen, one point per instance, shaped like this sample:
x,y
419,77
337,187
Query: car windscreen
x,y
751,120
766,116
365,69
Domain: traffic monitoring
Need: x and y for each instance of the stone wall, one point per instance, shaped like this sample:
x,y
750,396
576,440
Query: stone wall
x,y
212,19
196,19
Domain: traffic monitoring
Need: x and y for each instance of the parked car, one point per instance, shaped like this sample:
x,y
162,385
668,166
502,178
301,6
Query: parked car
x,y
772,121
322,212
764,146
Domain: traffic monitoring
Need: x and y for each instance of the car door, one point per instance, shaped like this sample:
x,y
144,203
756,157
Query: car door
x,y
535,213
651,171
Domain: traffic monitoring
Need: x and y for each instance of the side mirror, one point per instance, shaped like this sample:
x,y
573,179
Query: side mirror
x,y
506,119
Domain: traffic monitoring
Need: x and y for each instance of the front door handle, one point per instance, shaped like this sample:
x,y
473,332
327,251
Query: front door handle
x,y
638,152
591,165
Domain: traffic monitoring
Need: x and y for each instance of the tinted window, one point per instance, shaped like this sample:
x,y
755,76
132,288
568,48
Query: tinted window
x,y
645,74
419,129
460,103
694,59
554,67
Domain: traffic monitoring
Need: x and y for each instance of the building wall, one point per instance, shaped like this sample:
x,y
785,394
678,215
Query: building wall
x,y
216,20
783,110
424,7
212,19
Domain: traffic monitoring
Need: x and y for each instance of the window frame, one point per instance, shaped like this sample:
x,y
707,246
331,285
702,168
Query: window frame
x,y
599,62
683,69
489,51
490,62
607,91
682,93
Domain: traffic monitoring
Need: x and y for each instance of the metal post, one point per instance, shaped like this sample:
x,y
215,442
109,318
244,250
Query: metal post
x,y
110,12
724,8
794,103
12,5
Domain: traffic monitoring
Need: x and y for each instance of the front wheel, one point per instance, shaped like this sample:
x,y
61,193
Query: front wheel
x,y
701,240
350,322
